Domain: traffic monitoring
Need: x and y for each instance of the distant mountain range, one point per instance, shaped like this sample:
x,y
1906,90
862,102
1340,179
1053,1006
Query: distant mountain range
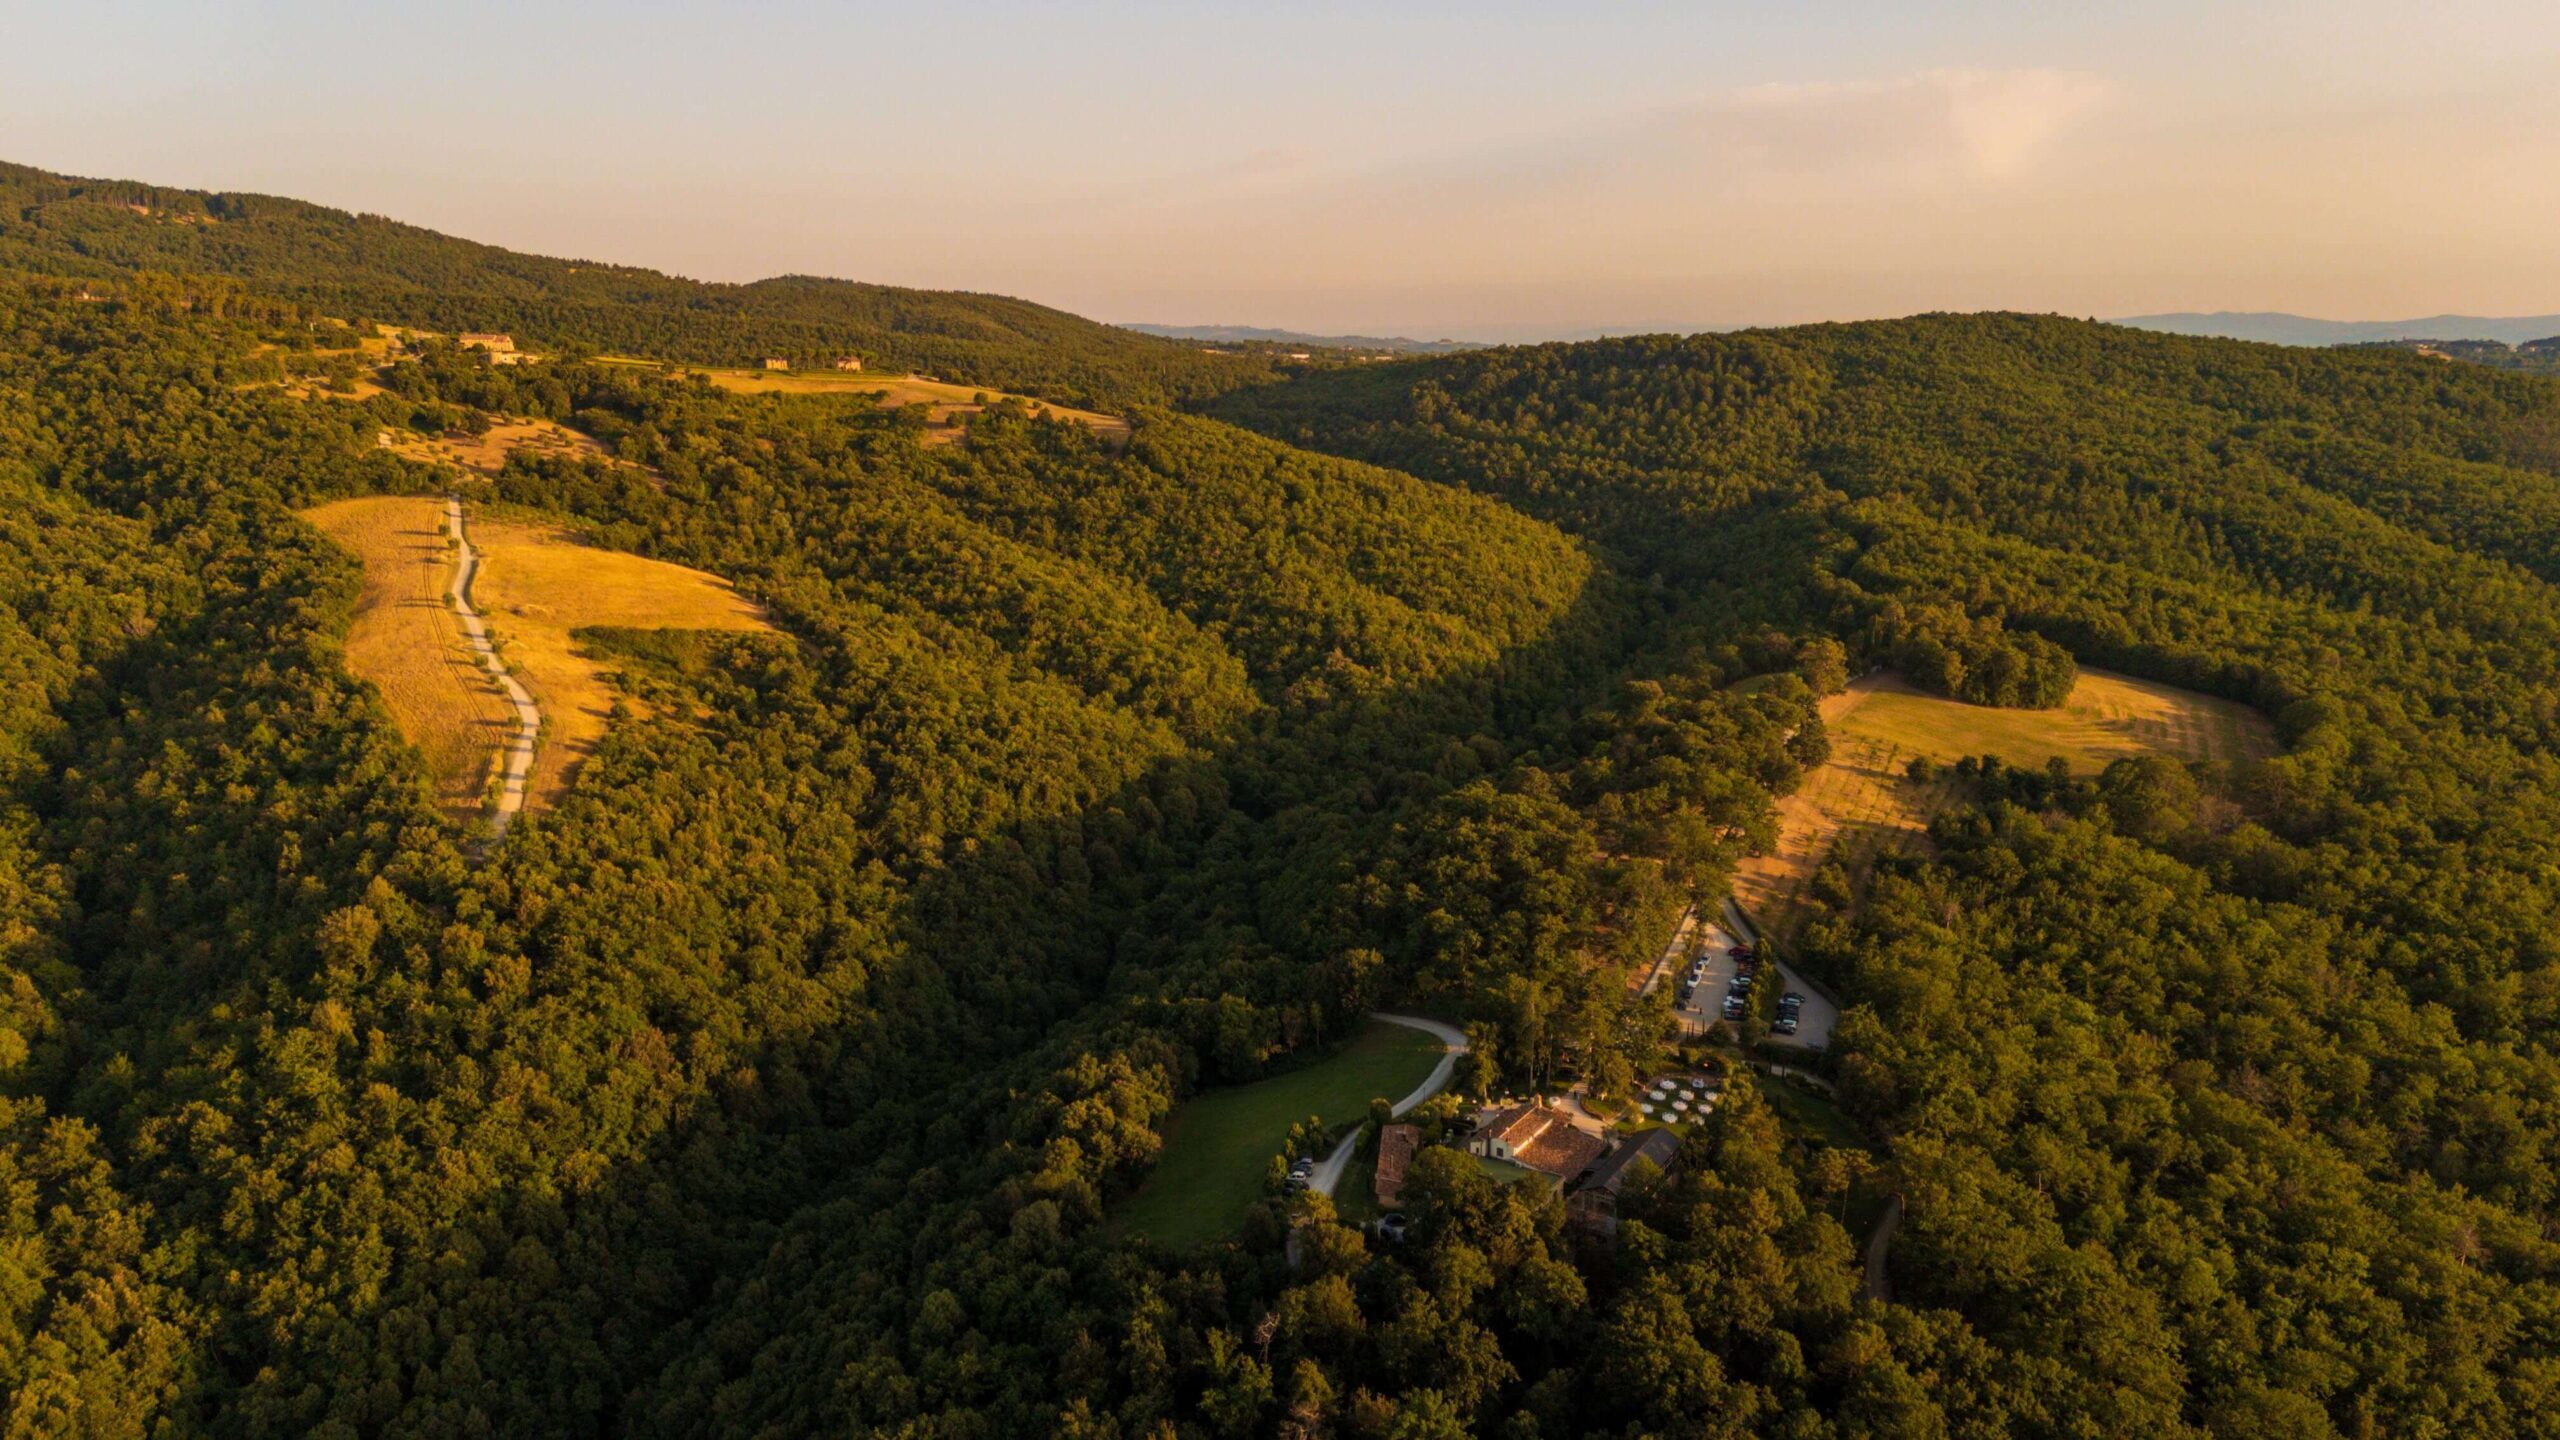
x,y
2278,328
1255,334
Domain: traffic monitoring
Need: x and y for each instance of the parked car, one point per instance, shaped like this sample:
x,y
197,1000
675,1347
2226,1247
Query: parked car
x,y
1792,1000
1733,1007
1393,1226
1739,952
1302,1167
1784,1024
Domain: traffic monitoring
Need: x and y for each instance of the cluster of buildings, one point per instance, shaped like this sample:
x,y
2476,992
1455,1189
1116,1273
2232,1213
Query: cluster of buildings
x,y
1590,1167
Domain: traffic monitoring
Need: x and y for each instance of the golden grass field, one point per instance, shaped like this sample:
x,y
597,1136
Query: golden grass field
x,y
537,584
1860,805
945,402
406,641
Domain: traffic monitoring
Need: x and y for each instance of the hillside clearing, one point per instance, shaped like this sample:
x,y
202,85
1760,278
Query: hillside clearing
x,y
1218,1146
406,641
1860,805
486,454
537,586
945,403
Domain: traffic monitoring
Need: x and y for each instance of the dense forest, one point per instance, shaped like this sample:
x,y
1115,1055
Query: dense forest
x,y
782,1079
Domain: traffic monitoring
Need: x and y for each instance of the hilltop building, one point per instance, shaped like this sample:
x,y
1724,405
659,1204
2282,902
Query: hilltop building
x,y
773,364
849,363
494,341
1539,1138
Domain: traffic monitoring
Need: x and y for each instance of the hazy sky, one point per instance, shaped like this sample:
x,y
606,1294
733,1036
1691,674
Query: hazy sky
x,y
1466,169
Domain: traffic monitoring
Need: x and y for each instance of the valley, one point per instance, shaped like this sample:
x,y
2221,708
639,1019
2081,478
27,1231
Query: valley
x,y
956,857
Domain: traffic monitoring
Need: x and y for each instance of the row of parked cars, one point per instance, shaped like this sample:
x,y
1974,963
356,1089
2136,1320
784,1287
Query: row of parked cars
x,y
1746,973
1737,997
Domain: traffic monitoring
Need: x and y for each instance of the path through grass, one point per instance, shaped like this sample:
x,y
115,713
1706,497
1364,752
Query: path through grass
x,y
538,585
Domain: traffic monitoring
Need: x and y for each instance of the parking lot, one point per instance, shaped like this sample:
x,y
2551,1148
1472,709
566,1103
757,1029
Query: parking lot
x,y
1814,1022
1705,1003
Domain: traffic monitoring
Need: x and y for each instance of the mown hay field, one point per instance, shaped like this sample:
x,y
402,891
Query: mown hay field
x,y
407,642
1861,805
538,585
944,402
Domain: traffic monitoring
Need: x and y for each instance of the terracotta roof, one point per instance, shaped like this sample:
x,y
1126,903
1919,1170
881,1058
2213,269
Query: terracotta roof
x,y
1545,1140
1395,1151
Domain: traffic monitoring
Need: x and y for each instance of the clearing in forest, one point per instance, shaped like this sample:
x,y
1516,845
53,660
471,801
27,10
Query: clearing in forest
x,y
538,585
946,403
486,454
1218,1146
1859,805
409,644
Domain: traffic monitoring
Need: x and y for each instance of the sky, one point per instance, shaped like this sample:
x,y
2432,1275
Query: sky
x,y
1483,170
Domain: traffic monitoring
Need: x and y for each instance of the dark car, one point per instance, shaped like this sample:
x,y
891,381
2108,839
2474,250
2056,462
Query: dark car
x,y
1784,1025
1733,1007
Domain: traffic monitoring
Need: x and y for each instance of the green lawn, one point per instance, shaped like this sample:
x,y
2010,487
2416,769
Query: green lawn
x,y
1218,1146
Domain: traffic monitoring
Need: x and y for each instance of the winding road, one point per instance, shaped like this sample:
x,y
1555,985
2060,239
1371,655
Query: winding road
x,y
1329,1173
519,753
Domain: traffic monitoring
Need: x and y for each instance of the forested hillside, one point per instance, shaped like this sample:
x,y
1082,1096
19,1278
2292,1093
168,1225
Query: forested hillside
x,y
366,267
2219,1108
782,1078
